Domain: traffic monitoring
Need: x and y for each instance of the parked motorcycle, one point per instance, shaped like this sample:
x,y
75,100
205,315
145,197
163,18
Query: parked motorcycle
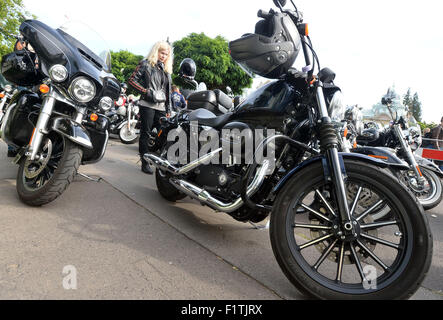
x,y
402,138
6,94
60,125
215,101
129,132
124,120
327,246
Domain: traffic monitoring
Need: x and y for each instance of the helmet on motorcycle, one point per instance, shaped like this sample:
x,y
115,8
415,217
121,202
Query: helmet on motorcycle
x,y
271,50
187,69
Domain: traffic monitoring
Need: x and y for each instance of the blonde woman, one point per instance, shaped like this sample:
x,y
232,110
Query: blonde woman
x,y
152,78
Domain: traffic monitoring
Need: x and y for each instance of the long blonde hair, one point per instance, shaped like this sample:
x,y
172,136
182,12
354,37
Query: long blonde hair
x,y
153,55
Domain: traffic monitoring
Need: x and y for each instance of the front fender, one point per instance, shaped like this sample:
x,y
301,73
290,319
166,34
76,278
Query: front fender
x,y
425,163
351,156
386,154
71,130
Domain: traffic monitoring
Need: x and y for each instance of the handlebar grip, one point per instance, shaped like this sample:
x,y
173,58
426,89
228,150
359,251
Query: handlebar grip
x,y
262,14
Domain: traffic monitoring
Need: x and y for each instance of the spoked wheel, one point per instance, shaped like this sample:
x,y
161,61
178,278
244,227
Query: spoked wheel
x,y
428,194
129,135
383,259
42,181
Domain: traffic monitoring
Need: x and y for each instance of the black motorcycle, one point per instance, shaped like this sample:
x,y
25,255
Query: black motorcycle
x,y
401,139
57,123
327,246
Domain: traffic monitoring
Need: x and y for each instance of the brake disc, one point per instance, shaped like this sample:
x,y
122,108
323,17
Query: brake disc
x,y
34,167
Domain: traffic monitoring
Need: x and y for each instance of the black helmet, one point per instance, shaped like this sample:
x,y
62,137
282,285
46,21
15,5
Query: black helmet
x,y
271,50
124,86
187,69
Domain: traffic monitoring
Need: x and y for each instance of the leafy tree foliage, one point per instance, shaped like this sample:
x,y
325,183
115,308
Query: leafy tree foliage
x,y
12,14
123,65
215,66
413,103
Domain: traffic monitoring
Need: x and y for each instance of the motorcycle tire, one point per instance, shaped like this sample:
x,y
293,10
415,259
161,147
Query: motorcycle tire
x,y
125,138
166,189
385,259
436,193
54,177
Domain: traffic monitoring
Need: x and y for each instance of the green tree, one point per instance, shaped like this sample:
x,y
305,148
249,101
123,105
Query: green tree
x,y
215,66
413,103
416,107
12,14
123,65
407,99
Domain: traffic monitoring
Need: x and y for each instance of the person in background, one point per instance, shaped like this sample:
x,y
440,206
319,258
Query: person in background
x,y
178,101
152,78
437,136
427,142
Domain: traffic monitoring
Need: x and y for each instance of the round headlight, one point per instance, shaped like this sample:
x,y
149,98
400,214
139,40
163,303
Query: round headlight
x,y
8,88
105,103
82,89
337,107
58,73
135,110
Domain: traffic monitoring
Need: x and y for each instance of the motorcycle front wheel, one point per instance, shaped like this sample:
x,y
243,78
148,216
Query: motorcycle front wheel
x,y
383,259
41,181
128,136
430,196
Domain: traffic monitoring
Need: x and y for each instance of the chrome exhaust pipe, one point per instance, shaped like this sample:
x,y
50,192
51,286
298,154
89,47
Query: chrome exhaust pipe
x,y
205,197
165,165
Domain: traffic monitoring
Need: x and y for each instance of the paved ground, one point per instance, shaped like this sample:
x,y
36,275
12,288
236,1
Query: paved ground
x,y
126,242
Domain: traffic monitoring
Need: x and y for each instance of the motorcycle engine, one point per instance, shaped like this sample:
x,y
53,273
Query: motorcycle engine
x,y
219,181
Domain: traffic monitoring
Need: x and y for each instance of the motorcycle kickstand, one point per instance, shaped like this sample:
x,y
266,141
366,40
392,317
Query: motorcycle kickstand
x,y
89,177
260,227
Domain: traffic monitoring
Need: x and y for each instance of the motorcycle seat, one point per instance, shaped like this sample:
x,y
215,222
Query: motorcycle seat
x,y
209,119
223,99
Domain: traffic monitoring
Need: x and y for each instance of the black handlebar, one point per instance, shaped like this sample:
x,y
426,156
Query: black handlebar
x,y
263,14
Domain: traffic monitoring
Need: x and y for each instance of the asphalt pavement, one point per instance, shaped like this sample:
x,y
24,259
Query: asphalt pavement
x,y
116,238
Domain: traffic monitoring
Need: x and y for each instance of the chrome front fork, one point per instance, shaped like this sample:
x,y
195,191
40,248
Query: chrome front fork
x,y
40,129
409,154
2,105
336,164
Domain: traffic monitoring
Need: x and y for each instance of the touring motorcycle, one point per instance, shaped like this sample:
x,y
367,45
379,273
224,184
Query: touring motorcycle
x,y
401,138
321,227
57,123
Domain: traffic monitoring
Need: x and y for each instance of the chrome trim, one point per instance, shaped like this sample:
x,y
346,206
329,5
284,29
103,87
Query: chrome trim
x,y
102,153
42,122
205,197
165,165
6,118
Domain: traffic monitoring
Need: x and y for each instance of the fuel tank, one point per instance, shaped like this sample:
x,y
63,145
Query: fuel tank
x,y
268,106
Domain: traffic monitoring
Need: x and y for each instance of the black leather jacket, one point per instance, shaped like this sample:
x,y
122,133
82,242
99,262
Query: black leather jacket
x,y
147,77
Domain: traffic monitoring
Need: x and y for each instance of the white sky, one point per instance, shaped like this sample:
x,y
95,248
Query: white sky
x,y
371,45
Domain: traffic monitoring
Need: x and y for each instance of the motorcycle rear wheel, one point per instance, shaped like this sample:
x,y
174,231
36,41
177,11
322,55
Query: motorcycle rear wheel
x,y
385,259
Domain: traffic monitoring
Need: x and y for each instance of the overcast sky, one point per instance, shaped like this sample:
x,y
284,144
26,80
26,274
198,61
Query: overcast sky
x,y
371,45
